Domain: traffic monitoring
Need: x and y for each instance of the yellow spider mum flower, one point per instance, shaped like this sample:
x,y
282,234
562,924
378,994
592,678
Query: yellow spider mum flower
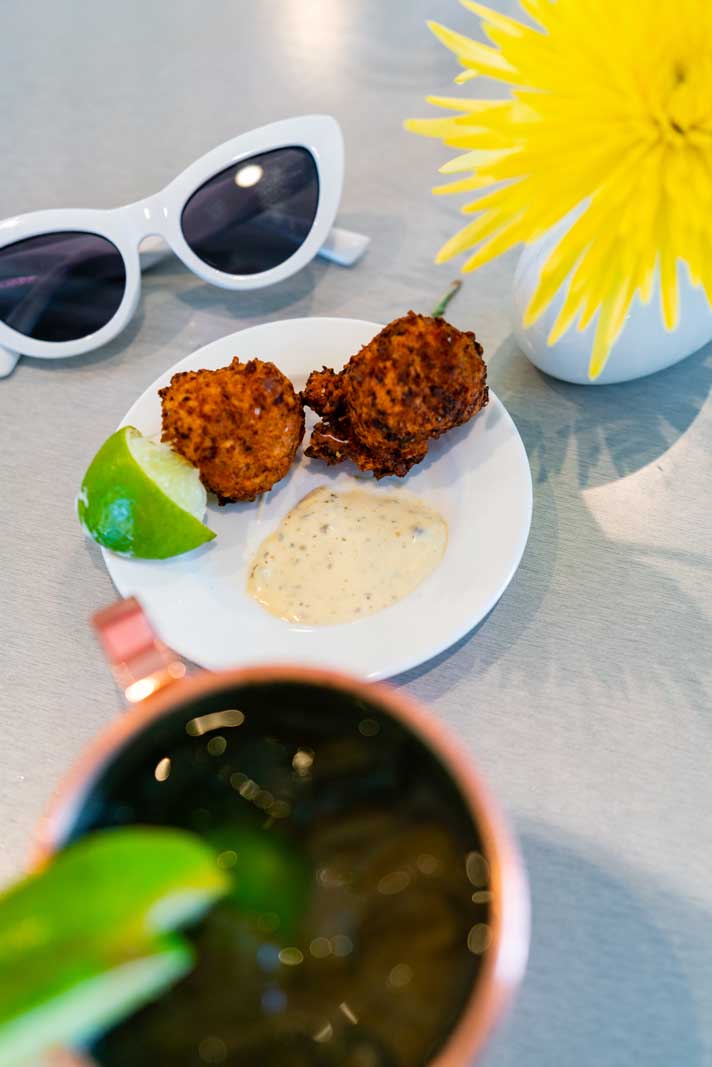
x,y
609,110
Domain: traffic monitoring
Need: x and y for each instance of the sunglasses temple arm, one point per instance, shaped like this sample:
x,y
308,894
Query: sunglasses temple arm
x,y
344,247
8,359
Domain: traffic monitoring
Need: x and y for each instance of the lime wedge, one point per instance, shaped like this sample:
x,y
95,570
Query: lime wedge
x,y
88,998
85,942
141,499
270,875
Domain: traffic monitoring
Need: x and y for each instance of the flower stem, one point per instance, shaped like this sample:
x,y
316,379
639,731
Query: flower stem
x,y
445,299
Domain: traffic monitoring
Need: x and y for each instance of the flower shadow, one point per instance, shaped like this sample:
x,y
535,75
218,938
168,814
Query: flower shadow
x,y
615,429
582,605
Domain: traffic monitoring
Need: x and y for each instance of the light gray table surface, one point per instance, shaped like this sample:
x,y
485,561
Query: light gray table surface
x,y
584,696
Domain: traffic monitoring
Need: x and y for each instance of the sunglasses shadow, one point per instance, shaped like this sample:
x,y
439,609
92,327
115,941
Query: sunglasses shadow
x,y
251,303
114,351
201,296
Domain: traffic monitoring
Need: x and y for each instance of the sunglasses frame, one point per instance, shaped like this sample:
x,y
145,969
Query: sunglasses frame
x,y
160,216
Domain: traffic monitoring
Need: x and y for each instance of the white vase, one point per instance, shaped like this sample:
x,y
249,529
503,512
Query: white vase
x,y
644,345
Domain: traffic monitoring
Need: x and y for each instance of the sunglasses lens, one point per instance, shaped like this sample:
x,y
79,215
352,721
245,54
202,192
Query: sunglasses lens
x,y
255,214
60,286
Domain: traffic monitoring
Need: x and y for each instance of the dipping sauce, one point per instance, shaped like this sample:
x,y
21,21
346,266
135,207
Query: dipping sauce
x,y
337,557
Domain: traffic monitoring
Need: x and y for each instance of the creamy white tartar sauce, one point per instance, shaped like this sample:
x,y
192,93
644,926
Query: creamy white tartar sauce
x,y
336,557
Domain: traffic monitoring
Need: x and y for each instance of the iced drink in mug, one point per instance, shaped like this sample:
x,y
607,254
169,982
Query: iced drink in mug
x,y
379,910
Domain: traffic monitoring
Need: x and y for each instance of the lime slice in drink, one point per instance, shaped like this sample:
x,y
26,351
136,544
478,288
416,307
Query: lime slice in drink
x,y
141,499
90,938
95,993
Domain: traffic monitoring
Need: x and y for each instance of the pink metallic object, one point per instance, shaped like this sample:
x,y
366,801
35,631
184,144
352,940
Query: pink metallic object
x,y
141,663
155,680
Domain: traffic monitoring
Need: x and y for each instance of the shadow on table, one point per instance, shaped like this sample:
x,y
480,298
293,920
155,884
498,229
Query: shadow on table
x,y
516,612
201,296
598,592
115,351
615,429
608,981
599,599
348,287
253,303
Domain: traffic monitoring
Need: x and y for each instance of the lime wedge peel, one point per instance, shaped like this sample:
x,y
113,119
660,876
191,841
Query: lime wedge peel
x,y
142,500
89,939
102,996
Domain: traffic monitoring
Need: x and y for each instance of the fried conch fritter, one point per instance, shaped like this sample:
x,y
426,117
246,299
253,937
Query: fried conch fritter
x,y
417,379
240,426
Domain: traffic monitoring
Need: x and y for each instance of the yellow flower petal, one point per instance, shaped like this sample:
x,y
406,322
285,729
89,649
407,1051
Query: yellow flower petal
x,y
465,185
668,288
472,161
610,106
442,128
611,320
537,9
485,139
600,352
465,76
566,317
561,260
494,18
477,56
460,242
461,103
507,238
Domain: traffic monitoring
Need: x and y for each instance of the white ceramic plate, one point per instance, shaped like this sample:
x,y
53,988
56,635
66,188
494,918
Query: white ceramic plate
x,y
477,477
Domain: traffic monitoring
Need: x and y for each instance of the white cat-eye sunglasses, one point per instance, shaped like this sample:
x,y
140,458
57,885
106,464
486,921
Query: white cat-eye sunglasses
x,y
247,214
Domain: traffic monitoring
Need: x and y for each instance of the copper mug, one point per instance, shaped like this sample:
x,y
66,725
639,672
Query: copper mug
x,y
419,905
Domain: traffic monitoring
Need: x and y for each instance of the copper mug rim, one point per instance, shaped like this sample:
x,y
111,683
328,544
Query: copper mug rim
x,y
504,959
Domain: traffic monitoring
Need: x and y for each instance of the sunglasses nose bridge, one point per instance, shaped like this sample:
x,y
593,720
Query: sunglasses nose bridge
x,y
146,218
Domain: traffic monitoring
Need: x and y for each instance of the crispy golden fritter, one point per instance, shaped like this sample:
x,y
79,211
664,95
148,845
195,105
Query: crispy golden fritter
x,y
240,426
417,379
